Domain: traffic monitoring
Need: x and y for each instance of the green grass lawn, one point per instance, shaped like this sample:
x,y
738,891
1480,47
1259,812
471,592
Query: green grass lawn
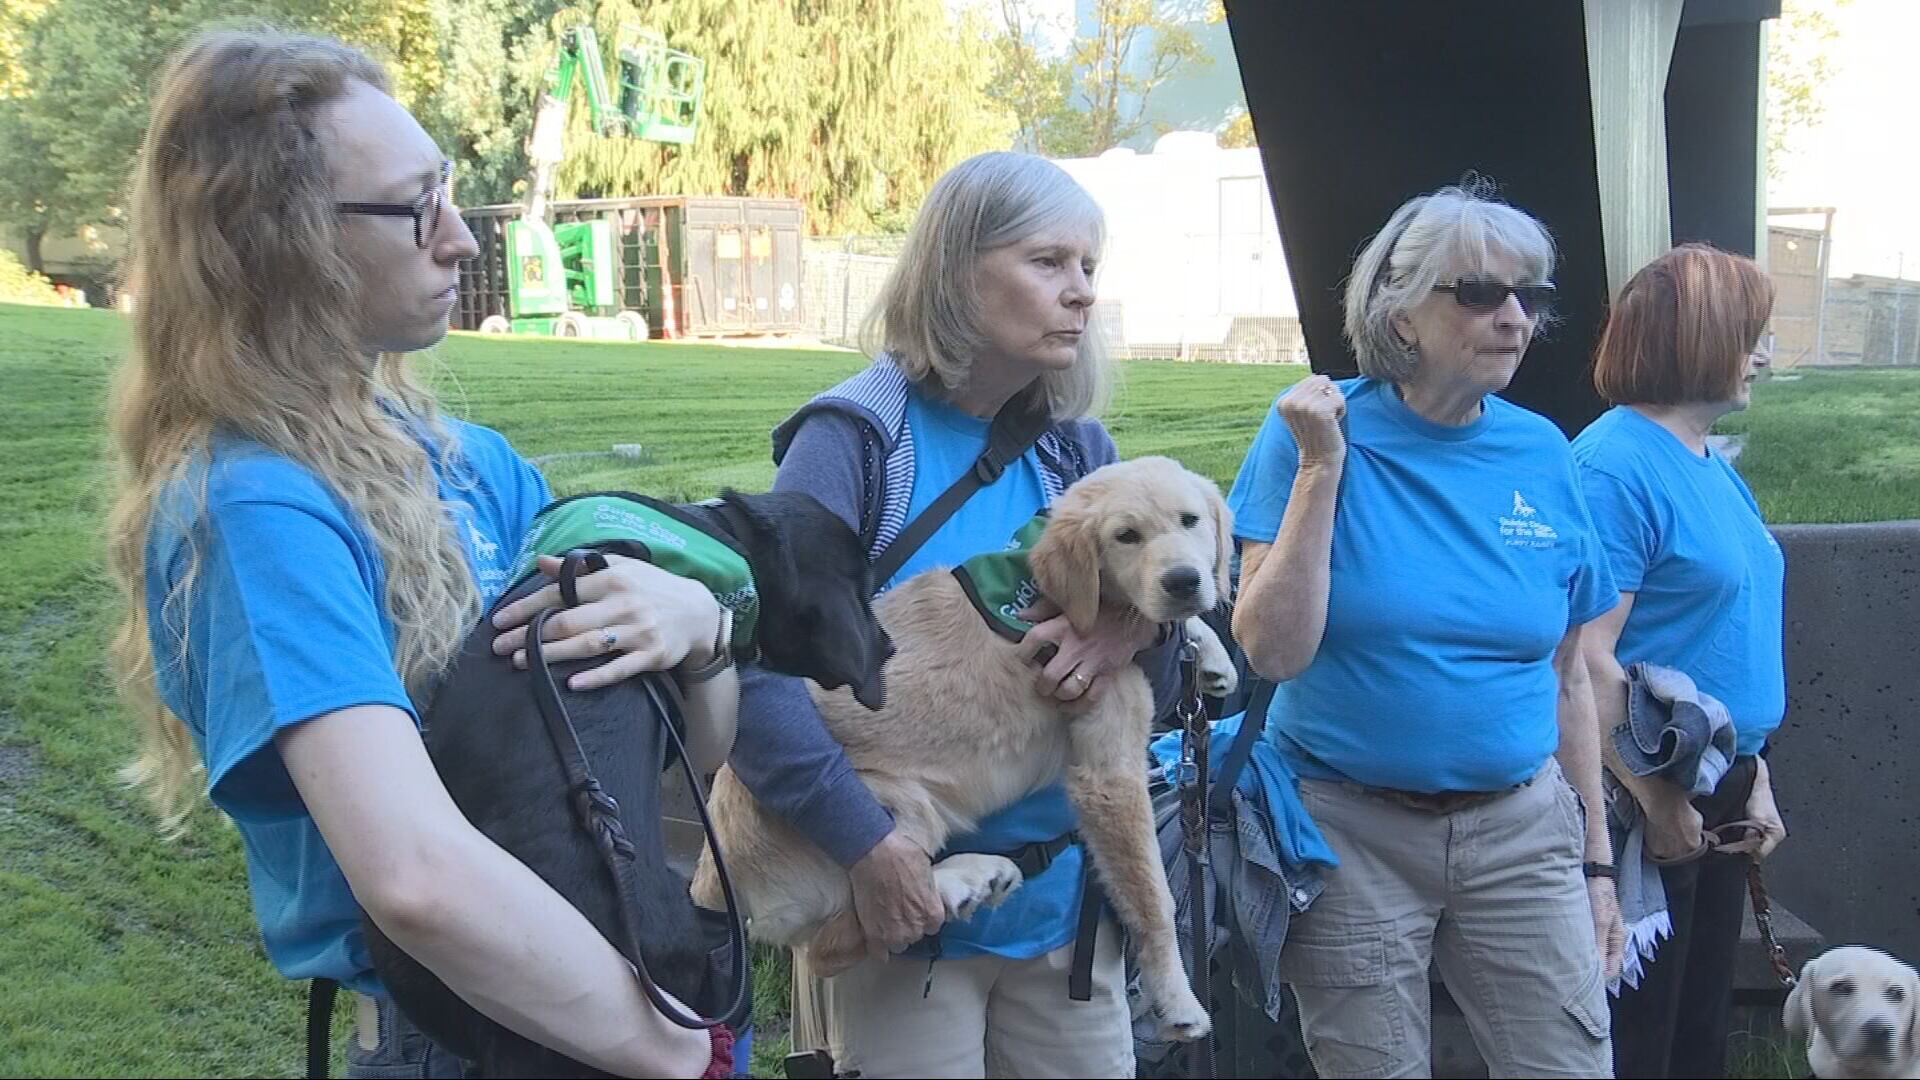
x,y
125,956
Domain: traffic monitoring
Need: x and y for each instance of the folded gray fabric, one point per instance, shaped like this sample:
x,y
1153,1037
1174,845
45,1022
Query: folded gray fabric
x,y
1685,737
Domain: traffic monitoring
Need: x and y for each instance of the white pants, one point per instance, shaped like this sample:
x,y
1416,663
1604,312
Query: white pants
x,y
979,1016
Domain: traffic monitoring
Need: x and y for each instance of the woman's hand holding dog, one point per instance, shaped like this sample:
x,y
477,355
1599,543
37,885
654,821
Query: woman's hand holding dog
x,y
1080,664
643,617
893,895
1313,410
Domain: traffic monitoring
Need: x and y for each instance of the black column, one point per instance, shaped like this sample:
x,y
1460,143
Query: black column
x,y
1360,106
1714,101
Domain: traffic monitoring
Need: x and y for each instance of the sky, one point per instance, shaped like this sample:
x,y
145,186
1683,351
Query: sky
x,y
1863,158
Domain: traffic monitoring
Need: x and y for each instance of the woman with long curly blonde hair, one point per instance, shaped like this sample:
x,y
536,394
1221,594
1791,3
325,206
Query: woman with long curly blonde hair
x,y
303,542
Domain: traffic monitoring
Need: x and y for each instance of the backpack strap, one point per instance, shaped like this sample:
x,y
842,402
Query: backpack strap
x,y
1220,799
1016,427
320,995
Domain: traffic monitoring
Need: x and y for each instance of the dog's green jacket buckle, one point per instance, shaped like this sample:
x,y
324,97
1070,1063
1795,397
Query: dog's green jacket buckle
x,y
1000,583
661,535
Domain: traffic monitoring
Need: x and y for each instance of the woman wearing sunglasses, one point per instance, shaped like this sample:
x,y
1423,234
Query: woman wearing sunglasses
x,y
1417,567
1702,591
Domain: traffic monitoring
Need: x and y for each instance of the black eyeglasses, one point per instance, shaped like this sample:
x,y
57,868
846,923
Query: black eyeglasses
x,y
1483,295
425,210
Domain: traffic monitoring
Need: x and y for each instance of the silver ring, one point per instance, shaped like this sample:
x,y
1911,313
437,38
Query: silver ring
x,y
608,639
1077,675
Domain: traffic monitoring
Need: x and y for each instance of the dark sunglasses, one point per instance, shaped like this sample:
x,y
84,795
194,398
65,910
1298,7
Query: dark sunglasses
x,y
1482,295
425,210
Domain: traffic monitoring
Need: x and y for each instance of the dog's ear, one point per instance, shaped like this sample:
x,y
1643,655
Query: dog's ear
x,y
1223,541
1066,566
1798,1014
1912,1041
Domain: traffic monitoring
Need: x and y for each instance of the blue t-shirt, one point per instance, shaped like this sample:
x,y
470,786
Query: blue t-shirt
x,y
1685,536
285,621
1039,916
1461,557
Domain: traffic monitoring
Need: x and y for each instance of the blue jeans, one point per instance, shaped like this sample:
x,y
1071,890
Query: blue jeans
x,y
402,1051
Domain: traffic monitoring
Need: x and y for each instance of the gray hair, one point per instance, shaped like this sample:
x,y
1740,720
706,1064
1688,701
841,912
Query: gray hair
x,y
1430,239
928,313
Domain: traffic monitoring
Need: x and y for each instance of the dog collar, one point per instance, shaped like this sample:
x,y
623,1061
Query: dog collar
x,y
1000,583
658,532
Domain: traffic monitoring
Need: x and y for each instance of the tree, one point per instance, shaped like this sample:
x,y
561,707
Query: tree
x,y
1036,87
16,20
1799,66
1115,91
1095,96
1238,130
852,107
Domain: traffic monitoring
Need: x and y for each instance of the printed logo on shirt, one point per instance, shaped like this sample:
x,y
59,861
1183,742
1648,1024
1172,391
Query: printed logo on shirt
x,y
1524,528
482,547
484,552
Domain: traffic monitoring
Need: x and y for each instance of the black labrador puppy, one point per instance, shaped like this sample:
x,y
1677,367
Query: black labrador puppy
x,y
494,751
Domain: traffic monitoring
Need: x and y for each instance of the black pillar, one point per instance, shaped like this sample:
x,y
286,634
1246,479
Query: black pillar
x,y
1360,106
1714,101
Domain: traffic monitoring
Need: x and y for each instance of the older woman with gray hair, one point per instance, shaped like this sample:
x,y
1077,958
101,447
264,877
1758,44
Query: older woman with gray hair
x,y
986,319
1417,566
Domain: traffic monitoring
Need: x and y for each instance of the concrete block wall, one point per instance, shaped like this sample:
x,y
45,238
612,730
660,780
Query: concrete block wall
x,y
1846,762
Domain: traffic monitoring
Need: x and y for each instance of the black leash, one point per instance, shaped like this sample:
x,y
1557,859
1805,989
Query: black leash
x,y
599,814
1195,765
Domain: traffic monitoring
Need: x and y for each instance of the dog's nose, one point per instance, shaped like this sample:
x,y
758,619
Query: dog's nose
x,y
1181,581
1877,1033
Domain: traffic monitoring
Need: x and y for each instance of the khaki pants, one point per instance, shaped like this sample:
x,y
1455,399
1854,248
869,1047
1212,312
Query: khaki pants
x,y
1493,894
979,1016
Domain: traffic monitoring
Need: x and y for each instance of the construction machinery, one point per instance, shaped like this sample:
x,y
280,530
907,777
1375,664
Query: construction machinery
x,y
565,280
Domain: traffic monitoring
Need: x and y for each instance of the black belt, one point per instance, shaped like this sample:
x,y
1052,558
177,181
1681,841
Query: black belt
x,y
1034,859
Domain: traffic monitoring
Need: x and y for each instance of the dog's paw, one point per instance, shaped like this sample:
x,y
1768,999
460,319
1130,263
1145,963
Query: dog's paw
x,y
969,881
1183,1019
1218,676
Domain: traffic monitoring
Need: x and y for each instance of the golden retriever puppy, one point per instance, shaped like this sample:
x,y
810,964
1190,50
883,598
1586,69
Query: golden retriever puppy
x,y
966,732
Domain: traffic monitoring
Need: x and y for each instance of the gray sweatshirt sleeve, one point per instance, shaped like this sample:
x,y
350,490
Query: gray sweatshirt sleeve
x,y
784,753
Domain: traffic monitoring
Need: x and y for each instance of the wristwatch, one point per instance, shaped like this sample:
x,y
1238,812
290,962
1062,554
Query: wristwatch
x,y
1600,869
722,654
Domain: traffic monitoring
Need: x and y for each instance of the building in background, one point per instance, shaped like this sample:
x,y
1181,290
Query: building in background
x,y
1193,267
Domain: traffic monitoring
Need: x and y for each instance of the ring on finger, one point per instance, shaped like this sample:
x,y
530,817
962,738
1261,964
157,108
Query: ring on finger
x,y
608,639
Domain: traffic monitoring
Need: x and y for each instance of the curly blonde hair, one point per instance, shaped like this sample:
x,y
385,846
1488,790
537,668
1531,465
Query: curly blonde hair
x,y
244,323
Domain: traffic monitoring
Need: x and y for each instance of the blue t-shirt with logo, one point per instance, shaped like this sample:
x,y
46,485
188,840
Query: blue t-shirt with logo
x,y
1684,535
1461,557
285,621
1039,916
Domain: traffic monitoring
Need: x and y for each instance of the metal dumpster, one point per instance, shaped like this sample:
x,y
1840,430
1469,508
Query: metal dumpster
x,y
695,265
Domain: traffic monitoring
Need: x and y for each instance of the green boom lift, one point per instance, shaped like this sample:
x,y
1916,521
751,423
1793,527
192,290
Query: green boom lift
x,y
564,280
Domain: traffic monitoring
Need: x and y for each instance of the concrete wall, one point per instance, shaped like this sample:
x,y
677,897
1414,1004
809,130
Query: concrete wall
x,y
1845,761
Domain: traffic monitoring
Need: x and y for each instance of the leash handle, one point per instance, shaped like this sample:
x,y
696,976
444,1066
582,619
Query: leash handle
x,y
570,567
